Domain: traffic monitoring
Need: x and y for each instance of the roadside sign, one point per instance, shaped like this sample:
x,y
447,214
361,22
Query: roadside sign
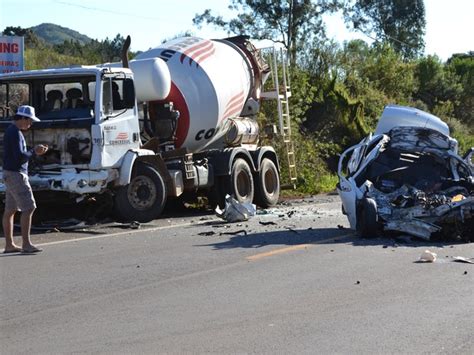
x,y
11,54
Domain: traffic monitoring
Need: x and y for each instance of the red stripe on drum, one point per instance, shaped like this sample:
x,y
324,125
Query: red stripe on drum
x,y
232,113
234,98
193,48
205,56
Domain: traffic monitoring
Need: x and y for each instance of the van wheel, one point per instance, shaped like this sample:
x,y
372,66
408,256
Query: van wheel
x,y
367,218
268,184
144,198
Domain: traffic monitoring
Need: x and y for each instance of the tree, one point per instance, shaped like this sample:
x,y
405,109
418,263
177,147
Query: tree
x,y
290,22
436,84
463,66
31,40
112,49
398,22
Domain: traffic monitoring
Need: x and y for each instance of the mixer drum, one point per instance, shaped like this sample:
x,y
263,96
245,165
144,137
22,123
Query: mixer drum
x,y
210,82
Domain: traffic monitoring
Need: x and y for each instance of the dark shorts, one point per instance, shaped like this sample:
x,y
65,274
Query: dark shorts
x,y
18,194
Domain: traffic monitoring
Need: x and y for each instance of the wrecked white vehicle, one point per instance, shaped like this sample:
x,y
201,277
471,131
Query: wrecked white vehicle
x,y
407,178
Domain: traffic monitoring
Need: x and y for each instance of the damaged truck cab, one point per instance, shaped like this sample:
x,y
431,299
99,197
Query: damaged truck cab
x,y
408,178
89,121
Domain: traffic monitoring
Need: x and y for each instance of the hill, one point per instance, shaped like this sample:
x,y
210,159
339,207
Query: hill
x,y
55,34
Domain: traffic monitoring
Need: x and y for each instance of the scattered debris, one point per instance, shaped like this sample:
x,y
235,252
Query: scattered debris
x,y
207,233
234,233
427,257
270,223
461,259
235,211
135,225
59,225
291,213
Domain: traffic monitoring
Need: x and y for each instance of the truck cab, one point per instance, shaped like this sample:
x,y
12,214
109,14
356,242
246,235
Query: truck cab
x,y
88,120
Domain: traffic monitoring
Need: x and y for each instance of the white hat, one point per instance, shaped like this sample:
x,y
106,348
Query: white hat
x,y
28,112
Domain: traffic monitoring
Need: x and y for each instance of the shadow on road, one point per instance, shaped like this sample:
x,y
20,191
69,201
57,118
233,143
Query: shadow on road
x,y
291,237
279,237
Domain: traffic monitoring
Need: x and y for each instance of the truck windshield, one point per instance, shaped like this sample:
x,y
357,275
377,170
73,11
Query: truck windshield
x,y
64,100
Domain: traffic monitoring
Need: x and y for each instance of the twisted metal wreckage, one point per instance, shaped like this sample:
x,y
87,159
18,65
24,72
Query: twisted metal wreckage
x,y
408,178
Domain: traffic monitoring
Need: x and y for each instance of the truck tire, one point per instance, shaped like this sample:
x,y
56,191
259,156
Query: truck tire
x,y
144,198
367,218
241,185
267,184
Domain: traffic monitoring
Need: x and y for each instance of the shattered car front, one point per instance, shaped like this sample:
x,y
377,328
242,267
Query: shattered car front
x,y
408,178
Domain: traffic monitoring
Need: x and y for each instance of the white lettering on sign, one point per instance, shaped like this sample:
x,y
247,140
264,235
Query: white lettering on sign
x,y
11,54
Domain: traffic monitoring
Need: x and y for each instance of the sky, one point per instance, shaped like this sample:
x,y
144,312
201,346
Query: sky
x,y
449,24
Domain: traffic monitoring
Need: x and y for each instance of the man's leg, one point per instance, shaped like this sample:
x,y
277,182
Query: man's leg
x,y
7,222
25,222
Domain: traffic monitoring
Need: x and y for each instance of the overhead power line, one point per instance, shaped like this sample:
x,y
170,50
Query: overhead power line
x,y
108,11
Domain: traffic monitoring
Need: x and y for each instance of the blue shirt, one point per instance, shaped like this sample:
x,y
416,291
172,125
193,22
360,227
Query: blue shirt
x,y
15,153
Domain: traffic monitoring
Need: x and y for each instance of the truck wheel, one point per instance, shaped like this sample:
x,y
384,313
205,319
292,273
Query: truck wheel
x,y
241,181
268,184
367,218
144,198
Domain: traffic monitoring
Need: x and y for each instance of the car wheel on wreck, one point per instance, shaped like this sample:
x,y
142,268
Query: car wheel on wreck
x,y
367,218
144,198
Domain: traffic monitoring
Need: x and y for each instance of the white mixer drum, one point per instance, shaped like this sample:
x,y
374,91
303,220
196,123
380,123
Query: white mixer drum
x,y
210,82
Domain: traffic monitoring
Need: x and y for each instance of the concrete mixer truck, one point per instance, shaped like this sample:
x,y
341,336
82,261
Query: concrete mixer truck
x,y
178,120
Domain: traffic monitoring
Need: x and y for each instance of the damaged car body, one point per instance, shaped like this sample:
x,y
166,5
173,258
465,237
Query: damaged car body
x,y
408,178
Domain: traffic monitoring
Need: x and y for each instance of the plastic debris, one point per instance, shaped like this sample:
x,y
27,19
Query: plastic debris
x,y
428,257
235,211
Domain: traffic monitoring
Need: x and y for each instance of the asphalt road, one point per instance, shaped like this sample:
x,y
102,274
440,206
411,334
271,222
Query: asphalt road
x,y
287,281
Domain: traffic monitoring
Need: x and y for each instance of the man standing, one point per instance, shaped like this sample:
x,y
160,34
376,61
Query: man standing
x,y
19,196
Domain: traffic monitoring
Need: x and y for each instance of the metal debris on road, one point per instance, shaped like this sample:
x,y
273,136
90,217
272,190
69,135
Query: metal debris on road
x,y
462,259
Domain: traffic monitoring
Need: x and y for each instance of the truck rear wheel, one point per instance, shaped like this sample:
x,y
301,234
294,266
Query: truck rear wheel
x,y
268,184
241,181
144,197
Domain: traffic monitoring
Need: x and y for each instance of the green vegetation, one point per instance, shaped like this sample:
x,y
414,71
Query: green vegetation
x,y
338,93
45,49
54,34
